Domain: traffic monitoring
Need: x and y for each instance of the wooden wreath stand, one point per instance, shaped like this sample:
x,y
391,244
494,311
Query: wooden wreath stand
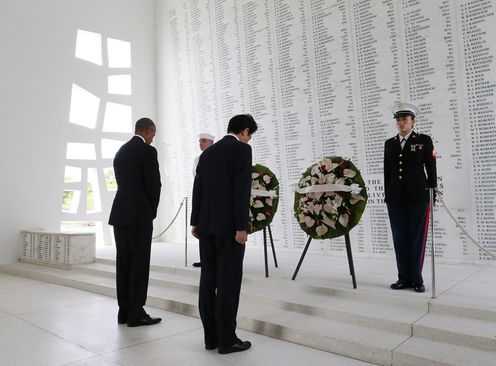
x,y
265,249
348,252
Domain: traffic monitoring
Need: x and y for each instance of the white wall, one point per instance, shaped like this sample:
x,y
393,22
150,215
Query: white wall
x,y
37,68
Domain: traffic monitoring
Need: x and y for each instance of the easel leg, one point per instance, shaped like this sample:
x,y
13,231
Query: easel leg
x,y
302,257
265,253
273,248
350,259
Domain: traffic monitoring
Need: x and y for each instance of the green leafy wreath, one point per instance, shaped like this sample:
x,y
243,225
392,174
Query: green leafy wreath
x,y
330,198
264,198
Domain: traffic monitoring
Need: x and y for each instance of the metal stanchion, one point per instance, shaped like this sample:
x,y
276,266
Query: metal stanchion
x,y
433,247
186,232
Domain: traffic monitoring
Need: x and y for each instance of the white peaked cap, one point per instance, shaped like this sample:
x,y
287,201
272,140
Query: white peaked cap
x,y
206,136
404,109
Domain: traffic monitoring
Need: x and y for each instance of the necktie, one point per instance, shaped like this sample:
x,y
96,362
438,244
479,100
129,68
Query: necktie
x,y
403,142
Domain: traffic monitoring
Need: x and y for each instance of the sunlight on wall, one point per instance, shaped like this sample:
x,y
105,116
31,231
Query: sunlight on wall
x,y
89,46
89,182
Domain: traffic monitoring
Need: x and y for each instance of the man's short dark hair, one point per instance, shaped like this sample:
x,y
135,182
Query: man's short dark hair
x,y
241,121
144,124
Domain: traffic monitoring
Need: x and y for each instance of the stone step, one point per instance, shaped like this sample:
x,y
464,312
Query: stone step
x,y
348,322
420,351
364,312
457,330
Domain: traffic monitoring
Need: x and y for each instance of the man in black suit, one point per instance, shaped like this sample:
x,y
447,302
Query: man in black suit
x,y
134,208
221,200
407,158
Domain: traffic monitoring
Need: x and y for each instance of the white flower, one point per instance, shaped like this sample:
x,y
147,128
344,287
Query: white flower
x,y
329,222
260,217
340,181
356,198
266,179
321,230
317,208
257,204
315,195
315,170
328,208
268,201
323,179
309,221
338,201
329,165
344,219
254,175
314,180
255,184
349,173
301,217
330,178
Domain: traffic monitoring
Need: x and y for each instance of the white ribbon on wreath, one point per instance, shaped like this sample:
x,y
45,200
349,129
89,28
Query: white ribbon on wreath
x,y
262,193
353,188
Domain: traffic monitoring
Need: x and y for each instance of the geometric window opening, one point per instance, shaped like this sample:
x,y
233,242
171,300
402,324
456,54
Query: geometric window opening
x,y
80,151
119,53
118,118
70,200
110,181
110,148
93,199
84,107
119,84
89,46
72,174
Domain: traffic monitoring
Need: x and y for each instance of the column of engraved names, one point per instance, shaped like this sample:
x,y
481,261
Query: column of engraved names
x,y
478,25
229,68
262,103
375,45
331,44
293,61
204,81
181,153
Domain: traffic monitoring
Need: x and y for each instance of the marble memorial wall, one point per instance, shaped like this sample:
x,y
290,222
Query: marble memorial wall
x,y
319,76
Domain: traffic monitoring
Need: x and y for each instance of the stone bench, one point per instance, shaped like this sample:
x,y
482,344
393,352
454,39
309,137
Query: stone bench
x,y
56,249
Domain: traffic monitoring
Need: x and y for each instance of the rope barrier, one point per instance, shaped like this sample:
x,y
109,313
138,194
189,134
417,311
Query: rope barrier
x,y
173,220
476,242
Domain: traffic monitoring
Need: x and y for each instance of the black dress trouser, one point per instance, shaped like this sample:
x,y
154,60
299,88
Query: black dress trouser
x,y
133,245
220,284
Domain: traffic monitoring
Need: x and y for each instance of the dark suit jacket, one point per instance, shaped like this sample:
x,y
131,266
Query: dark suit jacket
x,y
222,188
405,179
138,184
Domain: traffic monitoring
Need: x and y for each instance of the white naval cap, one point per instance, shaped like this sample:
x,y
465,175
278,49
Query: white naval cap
x,y
207,136
401,109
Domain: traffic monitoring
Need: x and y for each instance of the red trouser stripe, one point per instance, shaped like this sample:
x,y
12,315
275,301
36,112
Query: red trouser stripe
x,y
426,228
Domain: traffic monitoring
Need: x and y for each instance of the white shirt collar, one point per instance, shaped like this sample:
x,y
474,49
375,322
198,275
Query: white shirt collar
x,y
141,137
405,137
232,134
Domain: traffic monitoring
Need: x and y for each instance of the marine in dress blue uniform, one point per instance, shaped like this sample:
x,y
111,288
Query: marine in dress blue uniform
x,y
409,169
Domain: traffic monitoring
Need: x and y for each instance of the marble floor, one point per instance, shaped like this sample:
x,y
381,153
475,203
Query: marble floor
x,y
47,325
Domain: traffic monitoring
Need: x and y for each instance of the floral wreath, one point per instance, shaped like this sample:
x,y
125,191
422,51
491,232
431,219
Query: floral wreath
x,y
330,198
264,198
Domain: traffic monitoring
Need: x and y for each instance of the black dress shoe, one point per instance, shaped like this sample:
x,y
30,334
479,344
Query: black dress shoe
x,y
237,347
401,285
419,288
197,264
147,320
210,347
